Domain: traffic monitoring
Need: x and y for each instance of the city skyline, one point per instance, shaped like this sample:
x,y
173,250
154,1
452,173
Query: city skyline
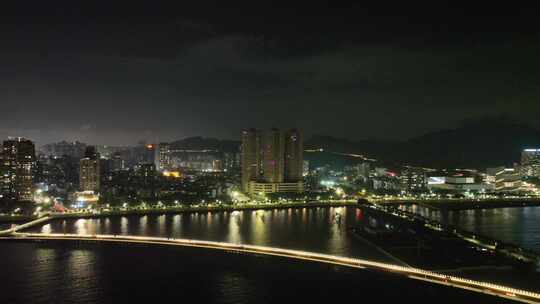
x,y
259,152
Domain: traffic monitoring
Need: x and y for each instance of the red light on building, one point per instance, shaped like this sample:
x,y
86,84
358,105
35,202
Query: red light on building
x,y
359,214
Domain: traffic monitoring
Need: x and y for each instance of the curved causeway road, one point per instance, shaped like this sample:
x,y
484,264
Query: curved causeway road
x,y
414,273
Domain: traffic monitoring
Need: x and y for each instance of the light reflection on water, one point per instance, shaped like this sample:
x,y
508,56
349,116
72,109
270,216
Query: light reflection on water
x,y
69,269
311,229
143,221
315,229
234,235
124,224
80,225
46,228
106,273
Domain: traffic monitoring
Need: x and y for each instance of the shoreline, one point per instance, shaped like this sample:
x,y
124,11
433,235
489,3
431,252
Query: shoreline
x,y
508,249
172,210
467,204
434,204
201,209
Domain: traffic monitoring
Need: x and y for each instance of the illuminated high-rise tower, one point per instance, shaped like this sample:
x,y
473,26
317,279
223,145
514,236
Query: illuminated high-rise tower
x,y
149,154
164,157
89,171
272,161
19,163
294,156
250,157
273,156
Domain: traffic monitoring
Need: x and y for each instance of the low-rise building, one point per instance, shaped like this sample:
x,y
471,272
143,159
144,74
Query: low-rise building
x,y
458,181
508,179
260,189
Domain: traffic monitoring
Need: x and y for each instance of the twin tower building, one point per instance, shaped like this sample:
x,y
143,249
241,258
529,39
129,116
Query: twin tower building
x,y
272,161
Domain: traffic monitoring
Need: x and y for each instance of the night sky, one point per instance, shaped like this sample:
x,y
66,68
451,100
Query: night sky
x,y
120,73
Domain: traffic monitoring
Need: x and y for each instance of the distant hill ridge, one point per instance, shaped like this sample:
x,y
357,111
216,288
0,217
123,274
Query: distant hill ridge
x,y
206,143
480,144
475,144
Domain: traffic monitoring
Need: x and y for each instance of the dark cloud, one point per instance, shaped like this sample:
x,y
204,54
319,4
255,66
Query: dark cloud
x,y
119,74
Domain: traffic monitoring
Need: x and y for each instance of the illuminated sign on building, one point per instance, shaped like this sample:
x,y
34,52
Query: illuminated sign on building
x,y
436,180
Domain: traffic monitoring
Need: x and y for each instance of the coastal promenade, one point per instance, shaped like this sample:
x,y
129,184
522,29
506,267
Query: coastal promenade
x,y
462,203
104,212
